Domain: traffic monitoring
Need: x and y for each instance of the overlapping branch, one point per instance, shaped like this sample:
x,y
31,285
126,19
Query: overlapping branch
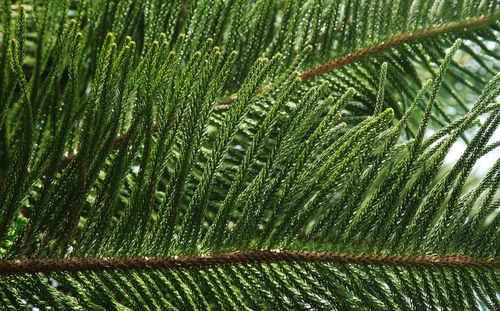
x,y
355,56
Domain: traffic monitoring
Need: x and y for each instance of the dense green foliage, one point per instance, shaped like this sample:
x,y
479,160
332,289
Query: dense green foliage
x,y
179,128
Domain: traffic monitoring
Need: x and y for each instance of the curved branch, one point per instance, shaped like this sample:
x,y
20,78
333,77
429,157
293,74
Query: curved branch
x,y
17,267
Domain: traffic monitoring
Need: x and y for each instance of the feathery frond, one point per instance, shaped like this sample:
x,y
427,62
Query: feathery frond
x,y
249,155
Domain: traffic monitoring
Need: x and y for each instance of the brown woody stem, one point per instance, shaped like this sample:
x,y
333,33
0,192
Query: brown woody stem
x,y
389,44
396,41
17,267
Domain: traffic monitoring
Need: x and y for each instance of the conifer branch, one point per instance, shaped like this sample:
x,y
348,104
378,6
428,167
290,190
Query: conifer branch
x,y
13,267
300,202
350,58
396,41
383,46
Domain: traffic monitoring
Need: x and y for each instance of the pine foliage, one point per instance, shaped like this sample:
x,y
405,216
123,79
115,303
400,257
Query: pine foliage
x,y
243,154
